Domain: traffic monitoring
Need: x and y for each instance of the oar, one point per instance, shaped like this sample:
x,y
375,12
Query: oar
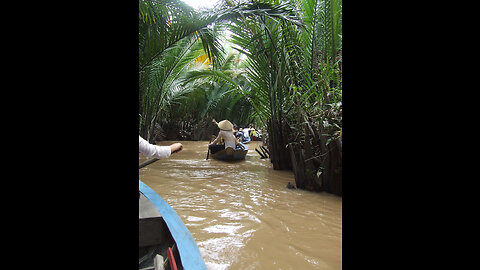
x,y
208,149
148,162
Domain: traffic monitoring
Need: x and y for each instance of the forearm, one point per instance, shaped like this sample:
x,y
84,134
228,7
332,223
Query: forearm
x,y
150,150
216,140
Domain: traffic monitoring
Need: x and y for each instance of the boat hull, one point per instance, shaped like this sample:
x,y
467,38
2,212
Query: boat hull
x,y
160,228
228,154
246,140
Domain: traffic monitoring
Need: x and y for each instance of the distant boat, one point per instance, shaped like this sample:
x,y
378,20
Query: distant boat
x,y
255,138
164,241
246,140
255,135
228,154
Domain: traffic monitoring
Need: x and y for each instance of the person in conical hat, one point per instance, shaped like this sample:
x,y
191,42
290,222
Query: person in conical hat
x,y
226,133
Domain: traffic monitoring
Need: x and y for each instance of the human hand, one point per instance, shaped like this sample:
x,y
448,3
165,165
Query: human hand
x,y
176,147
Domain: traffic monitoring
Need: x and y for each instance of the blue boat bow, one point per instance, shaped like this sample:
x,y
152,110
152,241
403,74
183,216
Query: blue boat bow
x,y
187,247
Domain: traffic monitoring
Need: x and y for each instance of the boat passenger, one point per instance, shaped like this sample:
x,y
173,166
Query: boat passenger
x,y
226,133
246,134
238,134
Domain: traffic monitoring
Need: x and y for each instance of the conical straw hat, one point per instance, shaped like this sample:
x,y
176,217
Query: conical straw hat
x,y
225,125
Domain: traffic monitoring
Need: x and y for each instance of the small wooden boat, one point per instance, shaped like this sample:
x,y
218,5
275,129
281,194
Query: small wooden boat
x,y
228,154
164,242
246,140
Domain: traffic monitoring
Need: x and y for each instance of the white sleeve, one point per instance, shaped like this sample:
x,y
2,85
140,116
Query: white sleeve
x,y
150,150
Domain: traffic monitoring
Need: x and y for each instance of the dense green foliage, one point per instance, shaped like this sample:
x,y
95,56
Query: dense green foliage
x,y
171,37
283,71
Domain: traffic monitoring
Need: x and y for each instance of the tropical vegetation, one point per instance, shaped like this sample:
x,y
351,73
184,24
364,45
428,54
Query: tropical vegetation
x,y
276,64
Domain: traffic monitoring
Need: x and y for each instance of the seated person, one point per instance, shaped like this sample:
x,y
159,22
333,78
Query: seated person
x,y
238,134
226,133
246,134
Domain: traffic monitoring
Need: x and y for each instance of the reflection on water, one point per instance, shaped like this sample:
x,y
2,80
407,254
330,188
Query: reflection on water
x,y
241,214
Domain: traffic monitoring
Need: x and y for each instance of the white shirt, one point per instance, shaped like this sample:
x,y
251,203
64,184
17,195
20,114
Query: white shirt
x,y
227,137
150,150
246,132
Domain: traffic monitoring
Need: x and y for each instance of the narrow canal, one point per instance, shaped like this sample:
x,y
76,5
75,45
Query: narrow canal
x,y
241,214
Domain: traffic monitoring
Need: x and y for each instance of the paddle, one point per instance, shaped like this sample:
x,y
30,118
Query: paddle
x,y
148,162
213,137
208,149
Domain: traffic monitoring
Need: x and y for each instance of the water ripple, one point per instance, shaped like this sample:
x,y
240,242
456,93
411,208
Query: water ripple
x,y
236,211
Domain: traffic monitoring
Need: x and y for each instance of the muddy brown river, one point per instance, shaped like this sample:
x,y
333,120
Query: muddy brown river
x,y
241,214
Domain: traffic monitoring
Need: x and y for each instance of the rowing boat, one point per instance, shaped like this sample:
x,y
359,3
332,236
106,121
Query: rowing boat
x,y
164,241
246,140
229,154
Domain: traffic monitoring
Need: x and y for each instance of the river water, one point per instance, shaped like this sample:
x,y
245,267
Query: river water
x,y
241,214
